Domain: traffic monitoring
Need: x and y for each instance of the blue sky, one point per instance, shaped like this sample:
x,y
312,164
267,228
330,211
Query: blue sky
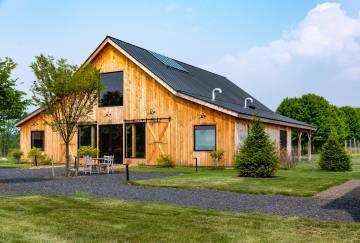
x,y
272,49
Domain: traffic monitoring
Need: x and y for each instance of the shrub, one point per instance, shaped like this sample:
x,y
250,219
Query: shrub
x,y
46,161
286,162
17,154
333,156
36,155
257,157
88,151
165,161
217,155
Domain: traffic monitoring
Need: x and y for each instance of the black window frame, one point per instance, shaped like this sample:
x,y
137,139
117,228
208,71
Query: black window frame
x,y
280,140
43,139
202,150
100,94
125,130
78,134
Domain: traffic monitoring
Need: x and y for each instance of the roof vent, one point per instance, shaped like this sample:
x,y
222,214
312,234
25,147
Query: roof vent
x,y
246,103
216,90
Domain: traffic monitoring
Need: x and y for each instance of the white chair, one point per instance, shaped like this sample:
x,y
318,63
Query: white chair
x,y
108,163
88,164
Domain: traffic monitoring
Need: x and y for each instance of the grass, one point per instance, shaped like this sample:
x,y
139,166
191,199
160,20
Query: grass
x,y
304,180
83,219
11,163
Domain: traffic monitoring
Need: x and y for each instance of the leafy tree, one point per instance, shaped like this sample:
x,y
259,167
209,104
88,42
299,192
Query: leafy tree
x,y
317,111
352,119
333,156
257,157
12,104
67,93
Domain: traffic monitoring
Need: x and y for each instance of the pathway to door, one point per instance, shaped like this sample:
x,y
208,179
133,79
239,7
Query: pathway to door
x,y
27,182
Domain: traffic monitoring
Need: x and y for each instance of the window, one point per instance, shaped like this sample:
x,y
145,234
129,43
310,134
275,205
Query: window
x,y
112,94
87,135
135,140
37,139
204,138
283,138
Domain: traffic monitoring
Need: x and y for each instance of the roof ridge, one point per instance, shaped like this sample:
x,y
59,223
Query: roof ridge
x,y
180,62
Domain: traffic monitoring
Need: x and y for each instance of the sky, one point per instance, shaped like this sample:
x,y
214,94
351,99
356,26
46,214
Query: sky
x,y
271,49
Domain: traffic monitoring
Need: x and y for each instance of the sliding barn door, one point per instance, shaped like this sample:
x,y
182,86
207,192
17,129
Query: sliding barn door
x,y
158,144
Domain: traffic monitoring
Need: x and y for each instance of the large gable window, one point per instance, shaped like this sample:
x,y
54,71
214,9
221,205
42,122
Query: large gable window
x,y
205,138
37,139
112,94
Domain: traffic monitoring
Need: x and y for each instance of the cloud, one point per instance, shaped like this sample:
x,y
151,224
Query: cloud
x,y
320,55
175,7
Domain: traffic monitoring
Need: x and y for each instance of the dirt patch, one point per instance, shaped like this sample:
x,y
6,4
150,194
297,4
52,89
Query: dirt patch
x,y
345,190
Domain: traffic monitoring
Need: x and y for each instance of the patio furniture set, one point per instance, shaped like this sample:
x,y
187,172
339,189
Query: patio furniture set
x,y
96,165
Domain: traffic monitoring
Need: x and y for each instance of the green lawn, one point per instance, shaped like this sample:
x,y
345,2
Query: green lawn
x,y
83,219
304,180
11,163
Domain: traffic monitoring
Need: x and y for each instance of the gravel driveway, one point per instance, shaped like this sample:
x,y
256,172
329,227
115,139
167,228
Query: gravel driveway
x,y
26,181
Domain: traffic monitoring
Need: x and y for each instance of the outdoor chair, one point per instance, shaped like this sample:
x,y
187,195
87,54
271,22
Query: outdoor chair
x,y
108,163
88,164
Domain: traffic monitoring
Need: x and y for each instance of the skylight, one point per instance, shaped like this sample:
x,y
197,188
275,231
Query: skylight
x,y
168,61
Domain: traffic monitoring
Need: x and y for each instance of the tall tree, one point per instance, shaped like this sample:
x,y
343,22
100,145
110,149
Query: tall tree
x,y
352,119
317,111
67,93
12,103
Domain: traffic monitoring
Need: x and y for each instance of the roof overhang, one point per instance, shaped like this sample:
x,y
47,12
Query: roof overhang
x,y
29,117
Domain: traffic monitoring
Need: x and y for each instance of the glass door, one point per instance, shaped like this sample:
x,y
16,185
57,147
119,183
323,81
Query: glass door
x,y
111,141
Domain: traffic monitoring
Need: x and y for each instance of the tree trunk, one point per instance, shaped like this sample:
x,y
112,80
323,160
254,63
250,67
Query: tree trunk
x,y
67,157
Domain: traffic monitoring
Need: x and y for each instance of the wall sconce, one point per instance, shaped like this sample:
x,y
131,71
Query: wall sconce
x,y
151,112
202,115
108,114
35,124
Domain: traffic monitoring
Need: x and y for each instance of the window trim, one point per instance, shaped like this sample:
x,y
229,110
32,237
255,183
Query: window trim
x,y
123,91
205,125
125,152
31,140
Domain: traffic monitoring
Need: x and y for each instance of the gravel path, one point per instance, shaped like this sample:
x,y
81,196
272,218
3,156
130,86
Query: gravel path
x,y
27,182
347,190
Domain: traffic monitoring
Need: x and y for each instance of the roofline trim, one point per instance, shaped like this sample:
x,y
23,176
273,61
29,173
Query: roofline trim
x,y
107,40
242,116
30,116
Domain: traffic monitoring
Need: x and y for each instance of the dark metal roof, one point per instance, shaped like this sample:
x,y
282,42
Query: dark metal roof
x,y
199,83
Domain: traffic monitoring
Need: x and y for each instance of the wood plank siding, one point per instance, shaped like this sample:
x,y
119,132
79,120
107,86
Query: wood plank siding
x,y
146,98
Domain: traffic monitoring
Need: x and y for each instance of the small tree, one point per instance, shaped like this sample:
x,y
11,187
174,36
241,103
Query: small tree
x,y
67,94
217,155
257,157
333,156
35,154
